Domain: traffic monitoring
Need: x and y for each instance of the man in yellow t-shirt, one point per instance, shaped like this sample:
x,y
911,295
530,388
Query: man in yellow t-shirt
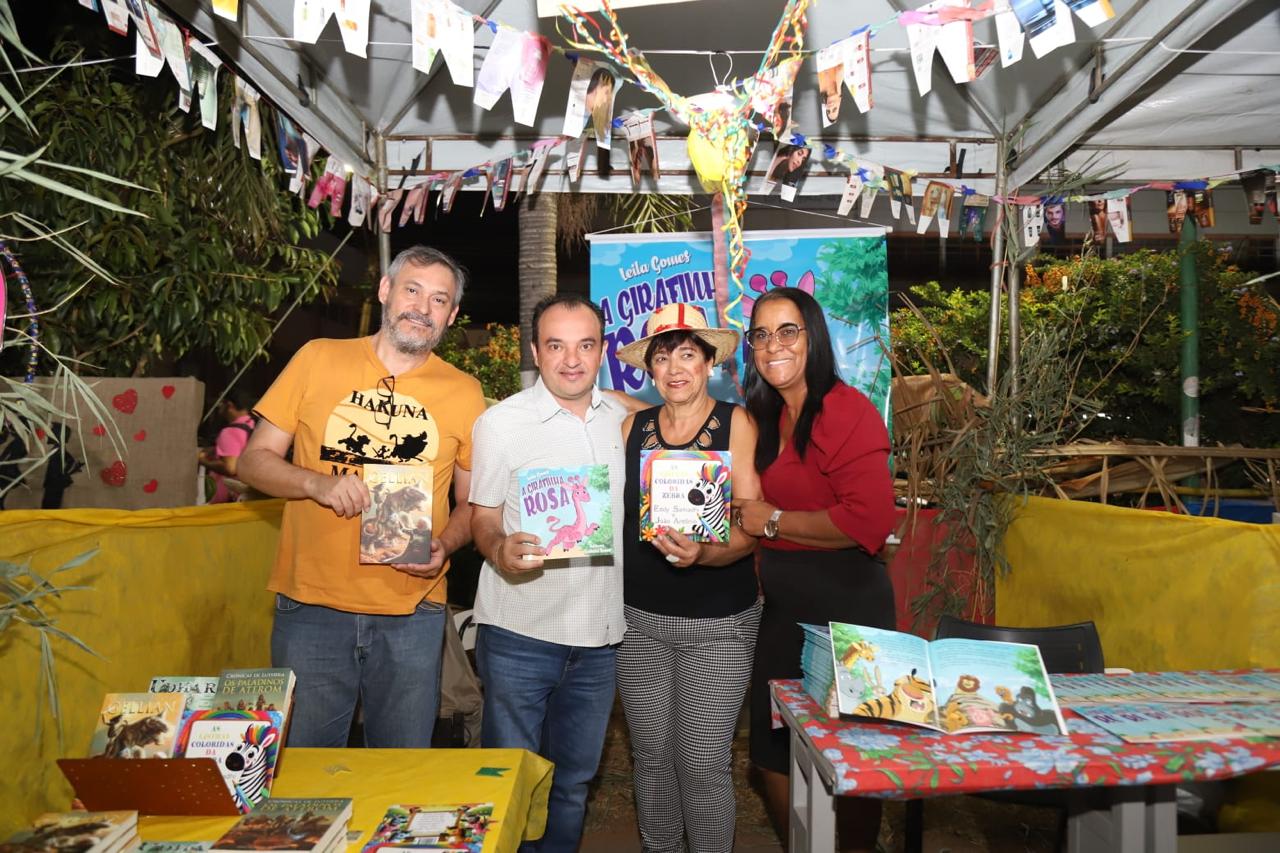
x,y
350,631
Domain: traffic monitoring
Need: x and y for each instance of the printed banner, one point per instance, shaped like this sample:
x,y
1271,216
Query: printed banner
x,y
845,269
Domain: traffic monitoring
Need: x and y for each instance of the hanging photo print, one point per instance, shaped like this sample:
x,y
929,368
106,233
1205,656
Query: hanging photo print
x,y
244,116
789,166
141,11
853,187
601,89
830,62
937,202
899,185
500,183
771,93
857,69
1200,203
1098,220
873,177
117,16
1258,185
1055,223
449,192
441,27
954,40
1176,209
1118,216
1032,224
973,215
1009,36
643,146
515,61
541,154
1047,25
204,80
1092,12
361,193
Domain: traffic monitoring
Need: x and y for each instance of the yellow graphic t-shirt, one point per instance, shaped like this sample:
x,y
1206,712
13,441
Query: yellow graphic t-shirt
x,y
344,409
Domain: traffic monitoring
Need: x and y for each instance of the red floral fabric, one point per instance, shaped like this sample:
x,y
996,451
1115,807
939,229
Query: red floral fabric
x,y
893,761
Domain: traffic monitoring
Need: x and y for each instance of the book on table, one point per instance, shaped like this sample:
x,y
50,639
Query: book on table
x,y
269,690
686,490
1212,687
1156,722
199,689
138,725
396,527
175,846
988,686
302,825
77,832
460,826
570,510
245,745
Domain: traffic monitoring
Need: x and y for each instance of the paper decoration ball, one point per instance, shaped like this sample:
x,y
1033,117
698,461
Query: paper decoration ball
x,y
708,159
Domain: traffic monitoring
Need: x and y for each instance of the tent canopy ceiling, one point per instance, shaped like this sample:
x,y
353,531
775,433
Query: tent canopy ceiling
x,y
1157,91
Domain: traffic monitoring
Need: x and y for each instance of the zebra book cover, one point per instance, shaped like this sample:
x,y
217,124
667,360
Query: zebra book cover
x,y
688,491
988,686
396,528
138,725
568,509
244,745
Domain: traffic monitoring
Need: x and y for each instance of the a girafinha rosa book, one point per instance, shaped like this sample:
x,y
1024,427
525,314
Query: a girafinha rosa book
x,y
568,509
688,491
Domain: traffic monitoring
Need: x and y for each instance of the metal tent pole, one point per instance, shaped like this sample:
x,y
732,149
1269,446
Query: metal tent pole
x,y
997,270
1190,318
384,237
1015,325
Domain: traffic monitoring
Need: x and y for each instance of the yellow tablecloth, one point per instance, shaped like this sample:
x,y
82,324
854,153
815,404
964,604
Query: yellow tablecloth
x,y
517,782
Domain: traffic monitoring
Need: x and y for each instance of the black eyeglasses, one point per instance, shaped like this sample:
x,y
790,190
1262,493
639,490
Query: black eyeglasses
x,y
787,334
386,401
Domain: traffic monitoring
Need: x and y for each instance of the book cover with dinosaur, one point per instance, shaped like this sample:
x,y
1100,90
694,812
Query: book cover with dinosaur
x,y
686,490
138,725
396,528
568,509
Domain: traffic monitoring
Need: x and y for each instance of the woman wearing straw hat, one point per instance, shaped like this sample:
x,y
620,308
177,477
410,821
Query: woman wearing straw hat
x,y
692,608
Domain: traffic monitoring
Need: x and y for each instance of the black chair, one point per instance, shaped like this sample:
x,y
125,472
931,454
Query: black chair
x,y
1065,649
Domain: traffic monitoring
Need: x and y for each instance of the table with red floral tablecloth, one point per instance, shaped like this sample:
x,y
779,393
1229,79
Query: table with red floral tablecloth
x,y
895,761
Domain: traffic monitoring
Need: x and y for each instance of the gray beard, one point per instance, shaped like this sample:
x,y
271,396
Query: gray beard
x,y
406,344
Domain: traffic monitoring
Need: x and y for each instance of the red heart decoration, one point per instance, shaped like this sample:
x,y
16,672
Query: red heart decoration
x,y
99,430
140,435
115,474
126,401
39,433
167,391
150,486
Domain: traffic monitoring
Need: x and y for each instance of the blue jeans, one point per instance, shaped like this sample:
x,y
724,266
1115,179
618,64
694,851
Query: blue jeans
x,y
391,664
553,700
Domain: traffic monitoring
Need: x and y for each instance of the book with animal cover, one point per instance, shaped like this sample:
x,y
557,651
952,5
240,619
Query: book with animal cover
x,y
568,509
256,690
174,846
199,689
244,744
396,528
138,725
988,686
686,490
435,827
280,823
75,832
1156,722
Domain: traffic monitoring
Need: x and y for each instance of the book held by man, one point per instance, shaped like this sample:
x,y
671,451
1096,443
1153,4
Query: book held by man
x,y
308,825
396,528
988,686
689,491
568,509
138,725
434,827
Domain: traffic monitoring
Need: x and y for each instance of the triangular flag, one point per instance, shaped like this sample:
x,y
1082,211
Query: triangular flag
x,y
441,27
857,69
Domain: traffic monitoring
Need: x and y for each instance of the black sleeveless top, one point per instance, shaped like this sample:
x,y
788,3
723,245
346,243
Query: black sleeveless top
x,y
652,584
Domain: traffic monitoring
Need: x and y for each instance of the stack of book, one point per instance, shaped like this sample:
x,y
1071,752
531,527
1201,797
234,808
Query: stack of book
x,y
457,826
309,825
818,667
238,719
81,832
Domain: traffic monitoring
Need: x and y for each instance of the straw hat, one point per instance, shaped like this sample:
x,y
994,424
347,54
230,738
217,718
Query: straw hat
x,y
675,317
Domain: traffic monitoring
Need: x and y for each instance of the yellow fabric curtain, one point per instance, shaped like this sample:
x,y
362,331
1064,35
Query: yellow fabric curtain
x,y
1166,591
171,592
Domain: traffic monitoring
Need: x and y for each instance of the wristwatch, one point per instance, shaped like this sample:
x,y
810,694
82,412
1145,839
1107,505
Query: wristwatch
x,y
771,526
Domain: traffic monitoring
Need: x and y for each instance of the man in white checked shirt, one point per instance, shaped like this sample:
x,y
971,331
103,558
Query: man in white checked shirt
x,y
546,639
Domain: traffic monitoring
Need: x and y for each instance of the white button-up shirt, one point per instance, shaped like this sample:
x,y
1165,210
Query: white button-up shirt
x,y
578,604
